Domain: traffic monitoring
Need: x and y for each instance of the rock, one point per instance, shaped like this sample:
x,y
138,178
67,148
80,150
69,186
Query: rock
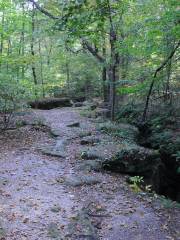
x,y
78,104
139,161
78,99
92,106
56,209
102,112
55,132
89,165
75,124
91,155
3,181
2,232
89,140
77,181
135,160
50,103
53,231
58,150
84,133
161,132
104,105
51,152
83,223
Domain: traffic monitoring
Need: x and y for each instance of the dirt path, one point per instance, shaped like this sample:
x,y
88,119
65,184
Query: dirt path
x,y
60,197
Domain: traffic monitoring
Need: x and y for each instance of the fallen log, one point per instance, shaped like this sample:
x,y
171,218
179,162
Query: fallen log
x,y
50,103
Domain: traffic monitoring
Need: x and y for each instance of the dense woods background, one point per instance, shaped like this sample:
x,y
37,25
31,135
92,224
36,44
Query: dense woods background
x,y
122,51
124,54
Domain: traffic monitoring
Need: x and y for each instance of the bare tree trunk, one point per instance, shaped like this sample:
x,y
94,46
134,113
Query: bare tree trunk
x,y
104,77
2,35
168,71
48,51
41,69
68,77
8,52
23,41
114,63
32,49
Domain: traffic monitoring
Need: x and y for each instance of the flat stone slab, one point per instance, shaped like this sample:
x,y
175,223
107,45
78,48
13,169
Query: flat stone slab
x,y
89,140
91,155
90,165
52,152
83,223
76,181
58,150
55,132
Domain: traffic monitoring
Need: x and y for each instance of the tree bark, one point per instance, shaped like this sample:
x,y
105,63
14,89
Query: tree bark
x,y
32,49
104,77
2,35
68,77
23,41
41,69
114,63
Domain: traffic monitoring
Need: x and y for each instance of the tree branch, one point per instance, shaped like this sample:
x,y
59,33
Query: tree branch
x,y
93,51
154,78
72,50
44,11
167,60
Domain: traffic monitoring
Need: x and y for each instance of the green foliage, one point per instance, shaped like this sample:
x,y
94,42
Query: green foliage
x,y
12,98
123,132
129,112
136,182
168,203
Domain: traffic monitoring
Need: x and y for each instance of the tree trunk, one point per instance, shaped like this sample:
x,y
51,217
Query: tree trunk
x,y
113,72
32,49
114,63
41,69
104,78
2,35
162,66
8,53
23,41
68,77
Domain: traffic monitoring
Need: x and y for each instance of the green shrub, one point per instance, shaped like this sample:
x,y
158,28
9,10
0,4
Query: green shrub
x,y
12,98
130,112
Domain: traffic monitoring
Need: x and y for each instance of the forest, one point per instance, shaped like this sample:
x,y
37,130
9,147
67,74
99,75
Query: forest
x,y
89,119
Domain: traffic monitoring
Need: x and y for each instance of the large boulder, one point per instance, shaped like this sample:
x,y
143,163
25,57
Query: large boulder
x,y
135,160
90,140
90,165
50,103
161,133
102,112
